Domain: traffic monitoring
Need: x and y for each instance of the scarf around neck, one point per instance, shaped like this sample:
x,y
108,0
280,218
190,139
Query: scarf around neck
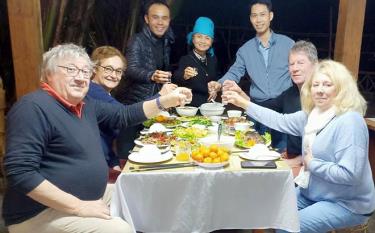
x,y
316,122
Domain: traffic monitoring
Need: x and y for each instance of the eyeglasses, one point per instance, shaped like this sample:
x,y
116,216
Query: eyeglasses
x,y
73,71
109,70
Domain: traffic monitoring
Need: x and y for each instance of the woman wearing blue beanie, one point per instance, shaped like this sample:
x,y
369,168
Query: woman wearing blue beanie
x,y
199,66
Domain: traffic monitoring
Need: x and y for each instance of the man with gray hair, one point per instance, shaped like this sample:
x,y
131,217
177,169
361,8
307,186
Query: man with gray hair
x,y
54,163
303,58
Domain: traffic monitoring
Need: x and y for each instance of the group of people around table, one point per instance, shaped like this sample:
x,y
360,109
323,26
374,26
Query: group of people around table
x,y
59,139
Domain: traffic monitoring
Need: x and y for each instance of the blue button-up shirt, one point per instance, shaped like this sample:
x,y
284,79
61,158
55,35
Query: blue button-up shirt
x,y
267,81
264,50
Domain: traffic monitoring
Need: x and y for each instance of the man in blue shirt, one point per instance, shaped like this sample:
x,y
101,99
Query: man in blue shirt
x,y
265,59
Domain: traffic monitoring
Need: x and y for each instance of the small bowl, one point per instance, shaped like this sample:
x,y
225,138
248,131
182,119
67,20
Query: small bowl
x,y
187,111
242,126
215,119
234,113
211,109
211,106
212,112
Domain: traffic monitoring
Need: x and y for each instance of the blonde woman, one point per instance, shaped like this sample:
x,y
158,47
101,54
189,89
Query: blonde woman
x,y
336,188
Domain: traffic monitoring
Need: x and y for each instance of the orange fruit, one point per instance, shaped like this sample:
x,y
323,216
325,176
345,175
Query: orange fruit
x,y
213,155
206,152
202,149
199,157
207,160
224,157
213,148
224,149
216,160
194,153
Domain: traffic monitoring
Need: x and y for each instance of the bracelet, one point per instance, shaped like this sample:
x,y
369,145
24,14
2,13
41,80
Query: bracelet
x,y
160,107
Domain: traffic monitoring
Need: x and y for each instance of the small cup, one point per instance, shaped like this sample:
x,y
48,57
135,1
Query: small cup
x,y
242,126
183,151
195,71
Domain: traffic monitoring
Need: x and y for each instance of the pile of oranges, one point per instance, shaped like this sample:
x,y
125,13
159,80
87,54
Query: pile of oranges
x,y
211,154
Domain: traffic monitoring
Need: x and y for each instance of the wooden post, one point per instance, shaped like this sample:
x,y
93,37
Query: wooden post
x,y
349,33
2,136
27,44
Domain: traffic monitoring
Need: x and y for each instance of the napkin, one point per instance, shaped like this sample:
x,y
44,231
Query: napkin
x,y
150,150
157,127
261,151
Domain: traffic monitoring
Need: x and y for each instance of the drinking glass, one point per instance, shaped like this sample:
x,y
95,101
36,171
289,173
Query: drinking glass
x,y
183,151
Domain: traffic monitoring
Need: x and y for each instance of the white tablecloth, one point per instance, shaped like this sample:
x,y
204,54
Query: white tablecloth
x,y
198,200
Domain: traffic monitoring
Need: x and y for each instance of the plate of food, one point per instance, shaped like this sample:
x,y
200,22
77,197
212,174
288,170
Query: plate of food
x,y
150,154
190,133
160,139
169,122
260,152
196,120
155,127
230,121
249,138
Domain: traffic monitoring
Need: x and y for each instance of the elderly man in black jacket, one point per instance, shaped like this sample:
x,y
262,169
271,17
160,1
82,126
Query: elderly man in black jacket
x,y
148,61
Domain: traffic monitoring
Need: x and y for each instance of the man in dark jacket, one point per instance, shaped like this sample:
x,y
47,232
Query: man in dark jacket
x,y
147,54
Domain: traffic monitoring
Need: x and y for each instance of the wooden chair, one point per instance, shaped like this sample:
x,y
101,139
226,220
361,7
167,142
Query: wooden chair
x,y
356,229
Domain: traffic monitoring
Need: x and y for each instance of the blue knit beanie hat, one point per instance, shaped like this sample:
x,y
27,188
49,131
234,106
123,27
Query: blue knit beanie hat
x,y
205,26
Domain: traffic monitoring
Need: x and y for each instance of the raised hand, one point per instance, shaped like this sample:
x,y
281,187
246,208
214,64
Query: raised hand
x,y
230,85
167,88
190,72
160,76
234,98
213,88
180,96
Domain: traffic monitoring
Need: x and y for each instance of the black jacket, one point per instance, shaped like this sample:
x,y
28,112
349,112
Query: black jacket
x,y
197,84
291,104
136,85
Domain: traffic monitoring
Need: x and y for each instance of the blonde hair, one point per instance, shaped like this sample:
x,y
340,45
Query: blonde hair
x,y
348,97
104,52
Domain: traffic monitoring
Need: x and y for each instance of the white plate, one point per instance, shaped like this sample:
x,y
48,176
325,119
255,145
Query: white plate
x,y
212,165
139,143
146,131
271,155
139,158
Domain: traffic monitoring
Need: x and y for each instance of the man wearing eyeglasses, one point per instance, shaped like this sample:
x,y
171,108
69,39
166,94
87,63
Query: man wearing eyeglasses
x,y
148,68
54,163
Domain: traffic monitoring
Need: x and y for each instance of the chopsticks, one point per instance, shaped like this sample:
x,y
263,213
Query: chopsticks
x,y
160,167
239,151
